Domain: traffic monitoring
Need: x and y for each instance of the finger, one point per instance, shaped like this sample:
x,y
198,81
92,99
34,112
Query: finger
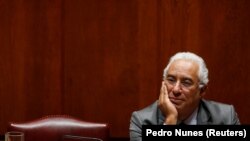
x,y
166,98
165,88
161,97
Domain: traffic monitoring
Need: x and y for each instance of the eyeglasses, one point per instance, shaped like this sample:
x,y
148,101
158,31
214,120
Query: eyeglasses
x,y
185,83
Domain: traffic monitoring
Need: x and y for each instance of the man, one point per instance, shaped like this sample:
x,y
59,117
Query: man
x,y
181,100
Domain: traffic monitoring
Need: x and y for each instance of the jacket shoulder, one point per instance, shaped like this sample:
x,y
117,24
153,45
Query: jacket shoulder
x,y
217,107
219,113
147,115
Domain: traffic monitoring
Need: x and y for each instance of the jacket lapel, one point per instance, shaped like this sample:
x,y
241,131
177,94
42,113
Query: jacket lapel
x,y
203,116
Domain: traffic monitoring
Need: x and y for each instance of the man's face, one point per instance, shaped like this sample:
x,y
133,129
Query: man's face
x,y
182,84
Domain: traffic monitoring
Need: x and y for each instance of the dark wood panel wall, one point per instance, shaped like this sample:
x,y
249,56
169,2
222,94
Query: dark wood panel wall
x,y
100,60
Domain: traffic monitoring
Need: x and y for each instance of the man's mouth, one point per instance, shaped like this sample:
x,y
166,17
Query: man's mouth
x,y
176,101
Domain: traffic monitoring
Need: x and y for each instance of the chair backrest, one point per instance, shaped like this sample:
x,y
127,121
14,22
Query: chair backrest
x,y
79,138
54,127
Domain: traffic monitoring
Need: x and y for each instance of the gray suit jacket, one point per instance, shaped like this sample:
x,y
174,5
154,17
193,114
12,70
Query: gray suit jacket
x,y
209,113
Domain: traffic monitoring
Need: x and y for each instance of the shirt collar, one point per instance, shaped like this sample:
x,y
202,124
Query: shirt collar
x,y
192,119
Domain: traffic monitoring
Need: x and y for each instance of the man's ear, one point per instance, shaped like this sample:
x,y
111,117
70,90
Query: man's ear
x,y
203,90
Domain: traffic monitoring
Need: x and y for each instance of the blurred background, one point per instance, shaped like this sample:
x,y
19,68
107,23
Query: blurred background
x,y
100,60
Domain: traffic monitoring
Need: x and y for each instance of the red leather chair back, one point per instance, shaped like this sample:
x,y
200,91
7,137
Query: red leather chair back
x,y
53,128
79,138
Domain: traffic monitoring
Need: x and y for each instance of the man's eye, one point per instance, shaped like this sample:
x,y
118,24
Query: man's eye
x,y
186,83
171,80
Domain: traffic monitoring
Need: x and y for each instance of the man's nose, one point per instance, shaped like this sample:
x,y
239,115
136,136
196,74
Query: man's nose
x,y
177,87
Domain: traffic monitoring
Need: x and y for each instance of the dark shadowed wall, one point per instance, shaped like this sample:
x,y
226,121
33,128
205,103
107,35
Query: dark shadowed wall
x,y
100,60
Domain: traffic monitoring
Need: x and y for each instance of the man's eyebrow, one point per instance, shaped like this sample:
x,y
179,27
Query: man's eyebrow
x,y
170,75
187,78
